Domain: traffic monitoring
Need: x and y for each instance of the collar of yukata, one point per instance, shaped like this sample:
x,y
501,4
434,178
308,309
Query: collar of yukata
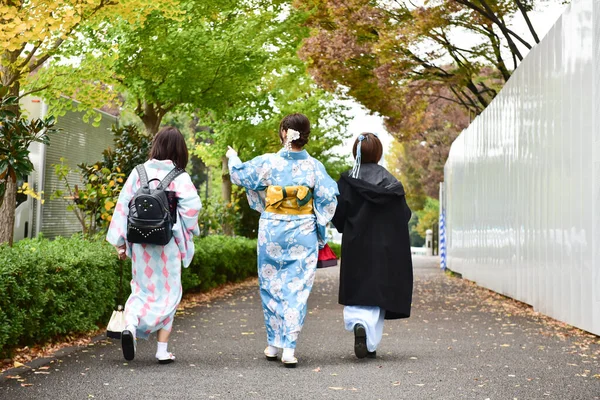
x,y
294,155
356,167
162,164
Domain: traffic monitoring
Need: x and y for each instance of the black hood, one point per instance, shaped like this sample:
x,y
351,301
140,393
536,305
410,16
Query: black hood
x,y
377,194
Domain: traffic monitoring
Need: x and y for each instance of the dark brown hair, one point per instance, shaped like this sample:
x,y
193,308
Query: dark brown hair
x,y
298,122
371,149
169,144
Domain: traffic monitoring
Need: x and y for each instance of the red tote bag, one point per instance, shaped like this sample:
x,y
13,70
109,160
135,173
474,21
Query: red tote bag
x,y
327,257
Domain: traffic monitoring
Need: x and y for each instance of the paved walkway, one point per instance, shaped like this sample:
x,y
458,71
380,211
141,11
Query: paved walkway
x,y
462,342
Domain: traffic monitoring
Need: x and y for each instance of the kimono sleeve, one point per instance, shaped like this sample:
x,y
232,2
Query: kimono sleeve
x,y
188,207
325,201
252,176
249,174
117,231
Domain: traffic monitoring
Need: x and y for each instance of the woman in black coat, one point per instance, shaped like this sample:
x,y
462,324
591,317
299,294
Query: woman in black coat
x,y
376,276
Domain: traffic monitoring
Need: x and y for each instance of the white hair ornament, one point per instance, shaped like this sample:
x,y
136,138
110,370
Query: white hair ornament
x,y
292,135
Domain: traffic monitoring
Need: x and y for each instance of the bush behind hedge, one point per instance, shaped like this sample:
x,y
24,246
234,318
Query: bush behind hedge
x,y
336,248
69,285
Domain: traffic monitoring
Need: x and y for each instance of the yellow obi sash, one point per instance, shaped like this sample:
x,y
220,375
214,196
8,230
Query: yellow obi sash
x,y
292,200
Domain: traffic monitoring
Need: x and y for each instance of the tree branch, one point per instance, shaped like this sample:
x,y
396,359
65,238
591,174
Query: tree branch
x,y
488,13
527,20
34,91
60,41
29,56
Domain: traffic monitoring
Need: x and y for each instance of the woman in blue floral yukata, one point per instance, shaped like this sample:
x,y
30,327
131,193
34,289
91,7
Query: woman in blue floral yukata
x,y
296,199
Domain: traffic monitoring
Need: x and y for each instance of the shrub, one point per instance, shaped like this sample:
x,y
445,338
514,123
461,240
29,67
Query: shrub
x,y
52,288
220,259
336,248
69,285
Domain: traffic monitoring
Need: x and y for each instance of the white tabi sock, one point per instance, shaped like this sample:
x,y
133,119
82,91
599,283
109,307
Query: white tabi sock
x,y
288,355
271,351
161,350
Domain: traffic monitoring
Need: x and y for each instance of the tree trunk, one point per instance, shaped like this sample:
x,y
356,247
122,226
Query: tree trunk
x,y
9,203
151,118
226,193
7,210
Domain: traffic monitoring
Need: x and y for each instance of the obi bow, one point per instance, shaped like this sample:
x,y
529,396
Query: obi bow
x,y
285,197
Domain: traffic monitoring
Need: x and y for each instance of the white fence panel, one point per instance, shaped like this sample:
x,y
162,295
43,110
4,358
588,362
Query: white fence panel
x,y
522,183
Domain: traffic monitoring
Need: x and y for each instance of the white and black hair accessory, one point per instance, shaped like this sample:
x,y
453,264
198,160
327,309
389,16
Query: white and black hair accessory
x,y
291,135
356,168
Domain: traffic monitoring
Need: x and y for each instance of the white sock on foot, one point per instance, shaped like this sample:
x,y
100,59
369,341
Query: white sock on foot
x,y
271,351
161,350
288,354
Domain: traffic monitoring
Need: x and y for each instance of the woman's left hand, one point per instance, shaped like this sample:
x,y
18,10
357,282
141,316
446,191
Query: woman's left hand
x,y
121,251
230,152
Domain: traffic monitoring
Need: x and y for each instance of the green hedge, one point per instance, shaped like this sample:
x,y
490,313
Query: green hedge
x,y
336,248
220,259
69,285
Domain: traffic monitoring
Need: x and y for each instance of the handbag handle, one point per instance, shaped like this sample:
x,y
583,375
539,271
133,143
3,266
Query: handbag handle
x,y
120,296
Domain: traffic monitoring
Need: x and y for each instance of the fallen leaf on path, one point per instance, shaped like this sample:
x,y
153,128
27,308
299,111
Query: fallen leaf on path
x,y
335,388
26,384
397,383
318,369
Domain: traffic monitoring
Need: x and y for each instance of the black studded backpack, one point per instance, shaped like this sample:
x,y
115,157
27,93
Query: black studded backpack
x,y
151,219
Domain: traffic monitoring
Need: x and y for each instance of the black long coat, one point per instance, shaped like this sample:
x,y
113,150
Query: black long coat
x,y
376,263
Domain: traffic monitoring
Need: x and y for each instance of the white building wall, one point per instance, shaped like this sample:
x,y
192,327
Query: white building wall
x,y
522,183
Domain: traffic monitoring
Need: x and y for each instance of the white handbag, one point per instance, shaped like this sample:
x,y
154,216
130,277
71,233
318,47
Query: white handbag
x,y
116,325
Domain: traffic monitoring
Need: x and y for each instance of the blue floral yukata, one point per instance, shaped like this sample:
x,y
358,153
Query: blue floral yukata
x,y
296,199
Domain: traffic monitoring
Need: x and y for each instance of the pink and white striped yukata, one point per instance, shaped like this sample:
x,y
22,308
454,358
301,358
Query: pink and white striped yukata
x,y
156,282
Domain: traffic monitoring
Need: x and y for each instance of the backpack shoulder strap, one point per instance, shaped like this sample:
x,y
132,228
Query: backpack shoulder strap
x,y
143,176
174,173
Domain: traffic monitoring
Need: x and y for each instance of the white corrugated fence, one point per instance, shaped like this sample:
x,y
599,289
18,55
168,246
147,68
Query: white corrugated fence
x,y
522,183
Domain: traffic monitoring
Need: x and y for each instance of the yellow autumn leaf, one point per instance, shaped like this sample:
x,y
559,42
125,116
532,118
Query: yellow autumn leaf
x,y
108,205
111,183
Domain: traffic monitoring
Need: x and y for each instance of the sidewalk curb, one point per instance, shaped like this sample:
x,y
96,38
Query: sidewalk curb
x,y
42,361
